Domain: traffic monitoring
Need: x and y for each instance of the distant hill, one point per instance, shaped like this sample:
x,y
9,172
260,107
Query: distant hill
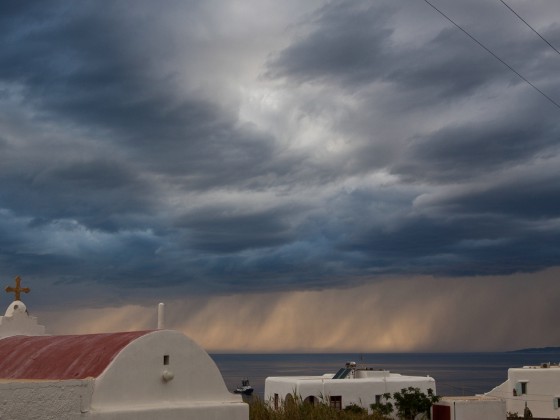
x,y
537,350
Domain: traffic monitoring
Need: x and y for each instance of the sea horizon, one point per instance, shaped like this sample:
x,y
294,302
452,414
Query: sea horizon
x,y
455,373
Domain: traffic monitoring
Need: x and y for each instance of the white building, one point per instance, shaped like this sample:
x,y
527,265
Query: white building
x,y
538,387
17,321
138,375
469,408
350,385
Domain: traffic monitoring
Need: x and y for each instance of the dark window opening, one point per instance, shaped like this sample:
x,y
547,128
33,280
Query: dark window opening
x,y
520,388
336,402
310,400
165,359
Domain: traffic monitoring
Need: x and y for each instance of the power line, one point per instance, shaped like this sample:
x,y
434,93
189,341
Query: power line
x,y
495,56
533,29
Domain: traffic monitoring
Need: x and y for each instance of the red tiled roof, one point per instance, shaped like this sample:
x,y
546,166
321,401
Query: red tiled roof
x,y
61,356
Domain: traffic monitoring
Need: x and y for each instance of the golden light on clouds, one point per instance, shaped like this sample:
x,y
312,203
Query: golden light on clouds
x,y
416,314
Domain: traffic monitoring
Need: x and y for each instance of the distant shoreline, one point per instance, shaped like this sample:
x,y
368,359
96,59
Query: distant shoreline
x,y
537,350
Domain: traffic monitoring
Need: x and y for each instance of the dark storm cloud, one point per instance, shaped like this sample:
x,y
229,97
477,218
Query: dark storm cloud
x,y
525,197
439,72
347,42
353,45
82,64
458,153
461,246
214,231
91,192
218,147
492,220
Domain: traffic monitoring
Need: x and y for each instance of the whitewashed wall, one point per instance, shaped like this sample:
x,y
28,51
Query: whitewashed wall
x,y
543,386
44,400
475,408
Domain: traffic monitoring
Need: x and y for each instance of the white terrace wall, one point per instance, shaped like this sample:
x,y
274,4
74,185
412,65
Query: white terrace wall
x,y
473,408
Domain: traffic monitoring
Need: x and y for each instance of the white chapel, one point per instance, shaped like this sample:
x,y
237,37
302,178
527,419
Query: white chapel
x,y
16,319
140,375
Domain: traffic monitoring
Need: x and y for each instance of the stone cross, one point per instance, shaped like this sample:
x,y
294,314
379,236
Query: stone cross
x,y
18,289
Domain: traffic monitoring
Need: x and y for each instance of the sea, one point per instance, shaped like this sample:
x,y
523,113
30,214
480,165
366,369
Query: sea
x,y
456,374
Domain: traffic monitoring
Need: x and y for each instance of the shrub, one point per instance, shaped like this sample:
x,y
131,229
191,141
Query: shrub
x,y
355,409
383,408
297,410
411,401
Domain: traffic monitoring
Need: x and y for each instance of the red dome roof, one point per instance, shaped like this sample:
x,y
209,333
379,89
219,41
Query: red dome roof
x,y
61,356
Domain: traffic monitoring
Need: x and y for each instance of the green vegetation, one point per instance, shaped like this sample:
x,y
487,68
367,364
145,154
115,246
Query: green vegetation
x,y
383,407
297,410
408,403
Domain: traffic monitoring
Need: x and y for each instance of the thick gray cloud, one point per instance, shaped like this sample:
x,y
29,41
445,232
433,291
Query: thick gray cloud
x,y
261,146
458,153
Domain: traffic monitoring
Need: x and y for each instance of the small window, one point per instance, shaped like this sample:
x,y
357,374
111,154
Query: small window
x,y
556,402
310,400
378,399
336,402
520,388
165,359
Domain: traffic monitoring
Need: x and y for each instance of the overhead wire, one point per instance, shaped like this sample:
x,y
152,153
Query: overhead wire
x,y
526,23
556,104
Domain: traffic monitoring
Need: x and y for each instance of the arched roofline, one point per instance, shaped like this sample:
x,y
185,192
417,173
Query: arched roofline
x,y
61,356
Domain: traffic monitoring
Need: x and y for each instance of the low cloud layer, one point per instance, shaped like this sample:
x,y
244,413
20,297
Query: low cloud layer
x,y
201,149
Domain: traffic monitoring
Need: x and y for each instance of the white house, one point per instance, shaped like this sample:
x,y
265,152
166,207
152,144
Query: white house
x,y
538,387
135,375
350,385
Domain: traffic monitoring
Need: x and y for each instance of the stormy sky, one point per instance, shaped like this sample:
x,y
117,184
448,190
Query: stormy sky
x,y
280,169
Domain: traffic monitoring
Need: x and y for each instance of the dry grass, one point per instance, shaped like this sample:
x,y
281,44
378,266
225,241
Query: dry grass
x,y
259,410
